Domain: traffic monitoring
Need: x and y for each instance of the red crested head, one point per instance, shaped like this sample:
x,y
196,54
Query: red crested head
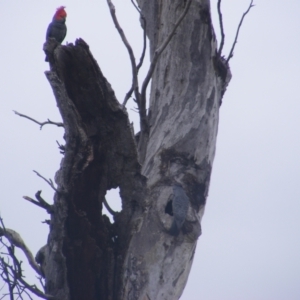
x,y
60,13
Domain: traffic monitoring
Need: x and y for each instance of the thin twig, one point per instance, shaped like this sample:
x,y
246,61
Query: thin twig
x,y
35,290
136,7
28,295
49,181
59,124
144,26
41,280
110,210
128,47
31,288
17,264
157,54
222,29
7,278
15,239
24,291
237,33
12,273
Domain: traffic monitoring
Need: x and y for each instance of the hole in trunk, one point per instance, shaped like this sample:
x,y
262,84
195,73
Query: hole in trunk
x,y
113,199
169,208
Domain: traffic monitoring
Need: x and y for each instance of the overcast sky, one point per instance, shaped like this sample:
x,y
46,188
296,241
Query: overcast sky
x,y
250,245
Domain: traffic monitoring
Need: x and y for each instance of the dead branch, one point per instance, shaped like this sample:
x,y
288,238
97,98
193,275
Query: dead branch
x,y
128,47
157,54
33,201
15,239
127,96
42,283
221,28
43,202
49,181
40,202
34,289
135,6
237,32
144,44
144,26
135,84
59,124
62,148
14,277
11,268
141,97
17,265
6,277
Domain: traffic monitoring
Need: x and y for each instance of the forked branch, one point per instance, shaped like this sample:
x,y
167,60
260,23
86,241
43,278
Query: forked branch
x,y
141,97
49,181
144,26
15,239
128,47
40,202
230,55
59,124
237,32
11,272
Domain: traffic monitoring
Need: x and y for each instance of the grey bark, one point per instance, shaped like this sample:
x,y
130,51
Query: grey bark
x,y
134,258
186,92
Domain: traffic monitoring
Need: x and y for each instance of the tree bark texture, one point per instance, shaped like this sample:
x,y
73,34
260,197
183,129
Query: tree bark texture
x,y
186,92
136,257
84,251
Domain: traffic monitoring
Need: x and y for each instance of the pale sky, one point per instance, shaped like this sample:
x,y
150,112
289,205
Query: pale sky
x,y
250,245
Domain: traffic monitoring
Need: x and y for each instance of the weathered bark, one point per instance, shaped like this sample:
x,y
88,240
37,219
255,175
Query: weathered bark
x,y
186,93
87,257
85,251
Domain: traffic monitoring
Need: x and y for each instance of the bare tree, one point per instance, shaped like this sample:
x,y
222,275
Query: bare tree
x,y
163,171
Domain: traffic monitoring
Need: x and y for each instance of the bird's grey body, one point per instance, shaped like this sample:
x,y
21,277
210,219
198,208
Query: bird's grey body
x,y
180,205
57,29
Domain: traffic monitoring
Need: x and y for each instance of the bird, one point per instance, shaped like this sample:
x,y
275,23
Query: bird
x,y
180,205
57,29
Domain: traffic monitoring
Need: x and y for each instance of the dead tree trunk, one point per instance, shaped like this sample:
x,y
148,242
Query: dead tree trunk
x,y
84,255
136,257
186,92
